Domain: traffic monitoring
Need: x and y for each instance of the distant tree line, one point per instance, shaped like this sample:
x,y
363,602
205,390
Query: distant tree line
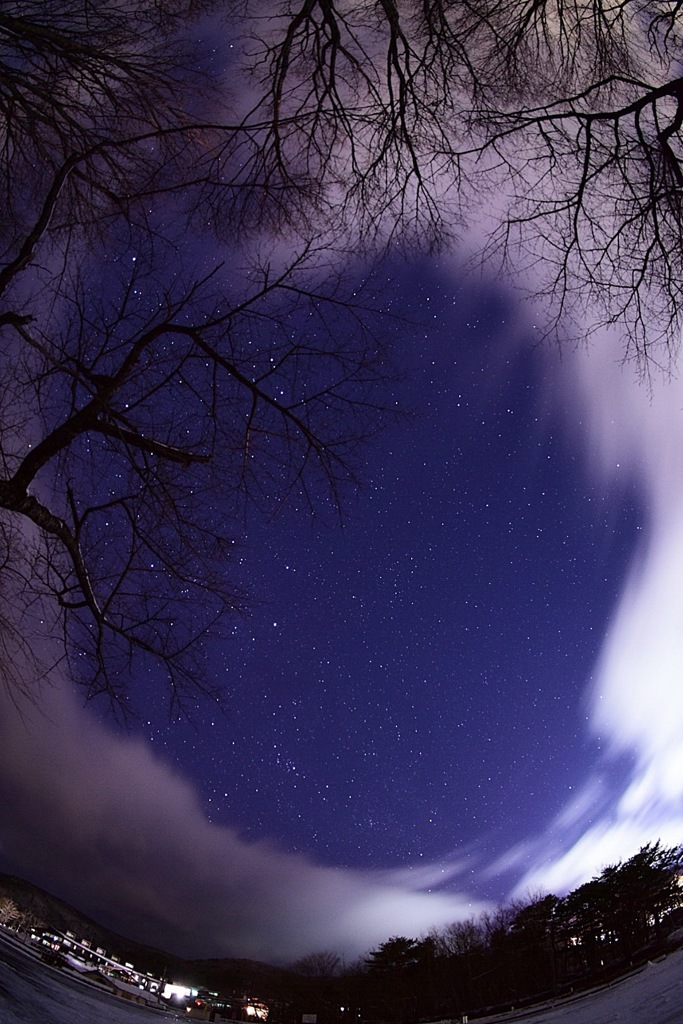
x,y
514,954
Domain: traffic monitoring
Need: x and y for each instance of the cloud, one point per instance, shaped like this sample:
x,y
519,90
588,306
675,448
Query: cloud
x,y
632,434
109,825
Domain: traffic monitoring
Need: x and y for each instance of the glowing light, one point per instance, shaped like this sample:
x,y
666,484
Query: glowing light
x,y
257,1011
178,992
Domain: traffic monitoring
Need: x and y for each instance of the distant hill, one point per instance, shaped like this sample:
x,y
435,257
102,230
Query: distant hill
x,y
219,974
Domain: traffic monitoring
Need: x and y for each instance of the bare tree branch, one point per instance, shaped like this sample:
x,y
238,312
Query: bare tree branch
x,y
177,337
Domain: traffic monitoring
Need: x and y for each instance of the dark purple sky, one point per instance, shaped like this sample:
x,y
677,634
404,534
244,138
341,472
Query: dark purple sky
x,y
412,729
413,679
467,691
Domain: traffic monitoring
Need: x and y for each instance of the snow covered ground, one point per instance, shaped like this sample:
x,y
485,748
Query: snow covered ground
x,y
651,995
32,993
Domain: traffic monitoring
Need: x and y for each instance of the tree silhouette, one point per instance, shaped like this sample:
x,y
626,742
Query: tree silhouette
x,y
639,893
159,378
9,911
565,118
396,954
399,976
323,964
178,338
533,940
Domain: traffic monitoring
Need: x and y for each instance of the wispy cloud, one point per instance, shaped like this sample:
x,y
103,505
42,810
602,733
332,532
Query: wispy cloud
x,y
105,822
632,434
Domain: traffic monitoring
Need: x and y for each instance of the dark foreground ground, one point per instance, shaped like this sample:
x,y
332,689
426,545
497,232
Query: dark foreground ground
x,y
653,994
33,993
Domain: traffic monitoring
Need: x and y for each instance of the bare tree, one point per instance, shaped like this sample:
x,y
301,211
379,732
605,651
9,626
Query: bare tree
x,y
555,126
178,342
9,911
157,379
461,938
323,964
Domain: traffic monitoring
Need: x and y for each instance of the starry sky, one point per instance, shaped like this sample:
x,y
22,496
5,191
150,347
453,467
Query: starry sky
x,y
441,702
413,678
466,690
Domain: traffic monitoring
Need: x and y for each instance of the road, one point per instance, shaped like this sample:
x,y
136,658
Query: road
x,y
31,992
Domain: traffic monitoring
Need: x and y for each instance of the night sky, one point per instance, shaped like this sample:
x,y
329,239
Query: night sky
x,y
427,710
412,683
465,691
